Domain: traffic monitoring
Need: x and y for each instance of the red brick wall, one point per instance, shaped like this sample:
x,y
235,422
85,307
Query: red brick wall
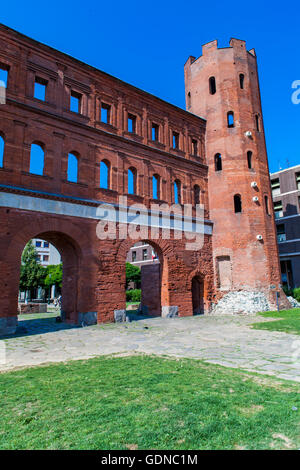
x,y
254,264
94,270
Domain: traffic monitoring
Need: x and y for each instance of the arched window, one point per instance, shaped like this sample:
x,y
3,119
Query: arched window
x,y
72,168
257,122
237,203
104,174
249,159
37,156
230,119
177,192
196,194
218,162
242,78
267,205
1,151
131,181
212,85
156,187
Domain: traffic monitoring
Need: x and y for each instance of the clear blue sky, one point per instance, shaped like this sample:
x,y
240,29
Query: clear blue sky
x,y
147,44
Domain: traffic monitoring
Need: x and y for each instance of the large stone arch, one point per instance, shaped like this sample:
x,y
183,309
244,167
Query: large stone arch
x,y
163,249
77,256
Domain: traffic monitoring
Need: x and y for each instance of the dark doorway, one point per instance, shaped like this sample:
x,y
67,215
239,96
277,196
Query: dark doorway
x,y
197,295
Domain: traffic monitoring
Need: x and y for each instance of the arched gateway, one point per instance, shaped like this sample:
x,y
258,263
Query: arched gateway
x,y
152,154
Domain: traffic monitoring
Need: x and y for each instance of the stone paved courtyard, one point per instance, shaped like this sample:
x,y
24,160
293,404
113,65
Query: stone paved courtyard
x,y
224,340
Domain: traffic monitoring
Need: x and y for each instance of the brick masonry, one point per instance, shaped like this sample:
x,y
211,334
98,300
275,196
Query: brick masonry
x,y
94,269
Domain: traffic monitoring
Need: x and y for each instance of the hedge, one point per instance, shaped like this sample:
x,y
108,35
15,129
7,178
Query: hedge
x,y
133,295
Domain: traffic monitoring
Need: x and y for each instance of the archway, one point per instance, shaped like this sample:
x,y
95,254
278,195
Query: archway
x,y
143,286
80,268
70,258
198,295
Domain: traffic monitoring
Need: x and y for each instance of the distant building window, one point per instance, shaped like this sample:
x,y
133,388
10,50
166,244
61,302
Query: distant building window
x,y
287,273
175,140
278,209
145,254
45,258
218,162
194,147
237,203
196,194
105,113
275,187
46,244
177,192
75,102
155,132
230,119
38,244
40,87
134,256
104,174
4,74
155,187
131,181
281,235
249,159
72,168
298,181
131,123
242,78
37,156
212,85
2,144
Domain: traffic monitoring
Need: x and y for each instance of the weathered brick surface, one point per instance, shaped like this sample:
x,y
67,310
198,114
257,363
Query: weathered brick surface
x,y
254,264
93,269
31,308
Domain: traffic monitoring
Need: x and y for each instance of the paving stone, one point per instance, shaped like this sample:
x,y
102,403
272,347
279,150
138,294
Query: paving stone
x,y
220,340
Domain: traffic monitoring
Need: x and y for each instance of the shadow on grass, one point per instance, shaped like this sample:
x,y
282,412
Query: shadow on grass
x,y
37,324
42,323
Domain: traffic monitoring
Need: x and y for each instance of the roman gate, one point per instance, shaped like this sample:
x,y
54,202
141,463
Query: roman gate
x,y
73,139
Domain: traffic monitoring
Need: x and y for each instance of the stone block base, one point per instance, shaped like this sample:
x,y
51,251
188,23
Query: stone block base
x,y
169,312
32,307
8,325
87,318
120,316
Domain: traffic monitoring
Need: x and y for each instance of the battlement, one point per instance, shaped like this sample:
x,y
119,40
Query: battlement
x,y
210,48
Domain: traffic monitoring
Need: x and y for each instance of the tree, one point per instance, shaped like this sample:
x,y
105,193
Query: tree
x,y
133,274
32,273
54,275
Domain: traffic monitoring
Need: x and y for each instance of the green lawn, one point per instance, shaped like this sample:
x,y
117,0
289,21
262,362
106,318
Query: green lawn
x,y
146,402
287,320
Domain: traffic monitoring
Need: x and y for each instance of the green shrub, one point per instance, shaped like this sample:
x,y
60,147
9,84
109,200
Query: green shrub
x,y
296,294
133,295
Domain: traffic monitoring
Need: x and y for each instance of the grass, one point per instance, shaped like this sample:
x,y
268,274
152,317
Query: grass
x,y
145,402
286,320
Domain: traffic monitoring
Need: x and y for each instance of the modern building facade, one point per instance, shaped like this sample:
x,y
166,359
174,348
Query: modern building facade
x,y
141,254
285,186
47,253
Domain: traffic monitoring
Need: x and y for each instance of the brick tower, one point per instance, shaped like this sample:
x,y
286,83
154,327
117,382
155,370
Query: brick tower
x,y
222,87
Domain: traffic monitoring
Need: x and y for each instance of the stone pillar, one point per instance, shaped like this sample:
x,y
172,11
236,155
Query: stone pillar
x,y
151,289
